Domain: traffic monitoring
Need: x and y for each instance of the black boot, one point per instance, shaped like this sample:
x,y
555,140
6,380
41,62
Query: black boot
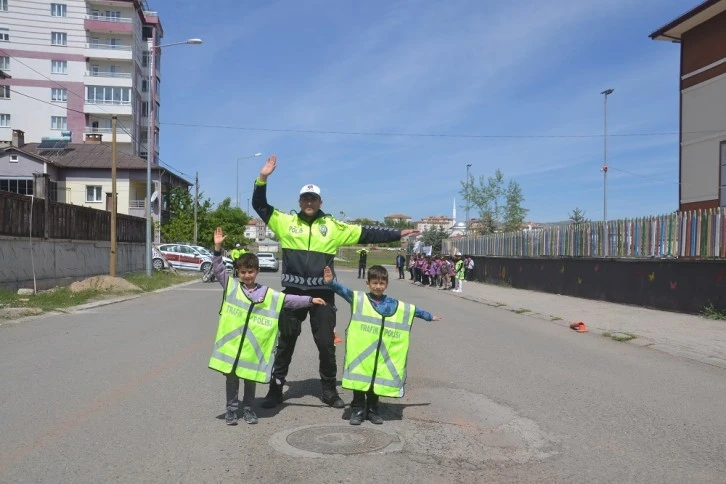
x,y
356,415
374,416
274,395
331,397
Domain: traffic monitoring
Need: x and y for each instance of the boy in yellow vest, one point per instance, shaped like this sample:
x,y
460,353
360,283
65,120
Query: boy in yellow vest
x,y
377,341
247,333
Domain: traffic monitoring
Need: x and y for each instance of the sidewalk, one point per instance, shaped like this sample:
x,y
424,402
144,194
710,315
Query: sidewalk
x,y
682,335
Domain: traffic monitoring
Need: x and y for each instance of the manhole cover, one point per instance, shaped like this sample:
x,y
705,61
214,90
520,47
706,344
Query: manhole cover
x,y
339,440
332,440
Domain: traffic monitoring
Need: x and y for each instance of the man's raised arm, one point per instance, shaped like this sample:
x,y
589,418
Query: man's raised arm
x,y
259,195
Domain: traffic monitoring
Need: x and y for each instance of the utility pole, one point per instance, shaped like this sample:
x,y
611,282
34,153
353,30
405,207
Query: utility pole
x,y
112,263
467,199
196,204
605,94
248,206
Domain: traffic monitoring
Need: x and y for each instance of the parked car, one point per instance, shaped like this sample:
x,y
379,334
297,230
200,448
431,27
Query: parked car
x,y
268,261
228,264
185,257
158,262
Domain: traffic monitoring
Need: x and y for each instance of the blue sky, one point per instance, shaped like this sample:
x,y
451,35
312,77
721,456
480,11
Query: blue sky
x,y
518,68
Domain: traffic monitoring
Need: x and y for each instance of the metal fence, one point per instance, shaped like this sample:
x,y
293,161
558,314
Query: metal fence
x,y
698,234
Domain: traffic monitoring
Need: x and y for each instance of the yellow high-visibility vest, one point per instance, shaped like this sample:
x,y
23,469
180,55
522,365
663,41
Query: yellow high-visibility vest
x,y
247,334
376,348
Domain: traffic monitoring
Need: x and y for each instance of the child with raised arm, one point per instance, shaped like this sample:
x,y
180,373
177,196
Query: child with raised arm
x,y
244,347
377,341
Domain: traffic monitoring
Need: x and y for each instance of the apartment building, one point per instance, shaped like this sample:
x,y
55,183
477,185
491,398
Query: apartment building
x,y
434,222
256,229
75,63
701,36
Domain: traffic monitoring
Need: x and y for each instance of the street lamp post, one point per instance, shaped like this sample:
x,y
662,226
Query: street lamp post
x,y
605,94
150,139
237,191
467,199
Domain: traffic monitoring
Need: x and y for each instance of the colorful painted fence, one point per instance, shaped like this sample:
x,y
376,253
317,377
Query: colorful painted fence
x,y
697,234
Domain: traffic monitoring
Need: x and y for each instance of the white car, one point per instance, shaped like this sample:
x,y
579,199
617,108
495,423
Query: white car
x,y
268,261
183,256
228,264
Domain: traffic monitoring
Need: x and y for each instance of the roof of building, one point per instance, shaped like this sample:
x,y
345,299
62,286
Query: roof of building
x,y
705,11
93,156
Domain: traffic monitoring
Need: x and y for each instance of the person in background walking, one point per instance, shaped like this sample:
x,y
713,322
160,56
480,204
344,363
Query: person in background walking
x,y
459,270
400,264
362,259
468,267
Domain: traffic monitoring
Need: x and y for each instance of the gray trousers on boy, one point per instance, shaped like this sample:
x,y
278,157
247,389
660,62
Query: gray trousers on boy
x,y
233,393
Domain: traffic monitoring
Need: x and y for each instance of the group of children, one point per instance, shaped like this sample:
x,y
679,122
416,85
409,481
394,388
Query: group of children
x,y
442,272
377,338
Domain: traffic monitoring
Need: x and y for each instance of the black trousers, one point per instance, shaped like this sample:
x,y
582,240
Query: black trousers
x,y
322,324
400,273
359,399
361,270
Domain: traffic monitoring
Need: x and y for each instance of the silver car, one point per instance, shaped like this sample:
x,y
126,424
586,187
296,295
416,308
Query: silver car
x,y
268,261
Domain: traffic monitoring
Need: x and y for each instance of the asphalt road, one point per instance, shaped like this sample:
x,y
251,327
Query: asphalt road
x,y
123,393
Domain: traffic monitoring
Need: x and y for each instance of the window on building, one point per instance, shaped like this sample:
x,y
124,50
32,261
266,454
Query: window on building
x,y
114,43
95,14
4,120
108,95
13,158
145,59
4,35
4,5
58,10
5,63
59,67
144,109
58,38
113,15
94,193
4,92
144,85
58,122
58,94
146,33
23,186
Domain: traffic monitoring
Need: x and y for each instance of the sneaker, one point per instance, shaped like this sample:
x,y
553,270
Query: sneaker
x,y
249,416
356,416
331,397
230,418
373,416
274,395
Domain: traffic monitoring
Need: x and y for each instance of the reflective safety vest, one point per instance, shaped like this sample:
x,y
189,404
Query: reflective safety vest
x,y
247,334
376,348
459,268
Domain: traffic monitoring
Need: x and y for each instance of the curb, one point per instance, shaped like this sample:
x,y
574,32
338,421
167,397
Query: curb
x,y
95,304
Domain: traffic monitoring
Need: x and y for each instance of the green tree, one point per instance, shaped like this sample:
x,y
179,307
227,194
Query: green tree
x,y
498,208
233,221
180,226
365,221
433,237
397,224
514,213
577,216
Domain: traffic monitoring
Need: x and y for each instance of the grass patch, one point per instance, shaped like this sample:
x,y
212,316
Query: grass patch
x,y
521,310
48,301
623,337
555,318
160,279
63,297
711,311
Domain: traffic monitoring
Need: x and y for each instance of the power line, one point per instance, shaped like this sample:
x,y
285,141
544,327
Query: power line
x,y
428,135
643,176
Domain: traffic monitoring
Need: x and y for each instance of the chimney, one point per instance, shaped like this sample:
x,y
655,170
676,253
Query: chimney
x,y
93,138
18,139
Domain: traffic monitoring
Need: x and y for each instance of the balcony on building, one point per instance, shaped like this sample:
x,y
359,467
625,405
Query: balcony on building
x,y
107,133
110,50
108,22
